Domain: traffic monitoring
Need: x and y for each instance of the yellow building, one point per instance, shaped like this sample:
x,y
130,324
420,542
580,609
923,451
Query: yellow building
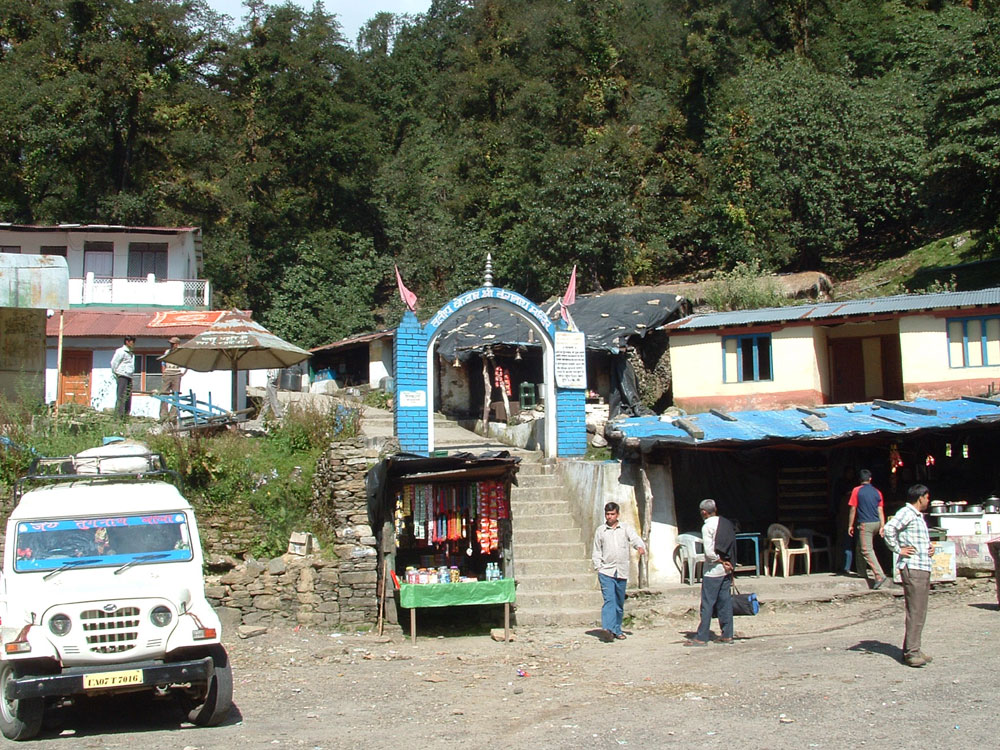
x,y
935,346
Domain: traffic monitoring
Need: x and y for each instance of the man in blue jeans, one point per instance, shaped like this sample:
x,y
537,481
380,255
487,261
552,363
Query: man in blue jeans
x,y
716,597
611,561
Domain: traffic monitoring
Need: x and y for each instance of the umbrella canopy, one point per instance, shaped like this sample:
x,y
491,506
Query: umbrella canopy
x,y
235,342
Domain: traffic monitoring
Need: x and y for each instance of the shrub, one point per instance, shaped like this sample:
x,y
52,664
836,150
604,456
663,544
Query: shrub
x,y
746,287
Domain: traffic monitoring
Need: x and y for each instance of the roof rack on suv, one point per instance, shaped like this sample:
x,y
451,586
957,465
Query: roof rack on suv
x,y
94,466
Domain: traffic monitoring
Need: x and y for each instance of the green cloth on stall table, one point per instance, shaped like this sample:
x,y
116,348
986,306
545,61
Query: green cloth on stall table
x,y
412,595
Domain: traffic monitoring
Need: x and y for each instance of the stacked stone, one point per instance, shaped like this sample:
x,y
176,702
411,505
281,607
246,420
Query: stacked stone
x,y
286,589
313,590
232,532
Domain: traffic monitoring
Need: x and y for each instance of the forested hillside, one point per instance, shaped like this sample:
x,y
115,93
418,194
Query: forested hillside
x,y
638,139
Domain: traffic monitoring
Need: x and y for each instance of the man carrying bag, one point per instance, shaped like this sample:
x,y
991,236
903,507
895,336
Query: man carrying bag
x,y
719,539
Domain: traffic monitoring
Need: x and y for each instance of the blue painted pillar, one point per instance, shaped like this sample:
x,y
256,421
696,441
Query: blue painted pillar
x,y
571,422
410,373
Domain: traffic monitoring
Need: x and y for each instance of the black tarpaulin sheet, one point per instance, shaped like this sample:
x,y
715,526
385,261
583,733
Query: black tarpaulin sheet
x,y
607,321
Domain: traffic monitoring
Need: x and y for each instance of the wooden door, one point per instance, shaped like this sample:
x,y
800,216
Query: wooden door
x,y
75,377
892,368
847,371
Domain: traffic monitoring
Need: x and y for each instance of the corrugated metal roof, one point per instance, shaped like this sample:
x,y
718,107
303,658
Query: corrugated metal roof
x,y
350,341
789,425
98,323
92,228
849,308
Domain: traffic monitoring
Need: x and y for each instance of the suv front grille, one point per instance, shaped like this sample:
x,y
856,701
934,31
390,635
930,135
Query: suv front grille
x,y
111,632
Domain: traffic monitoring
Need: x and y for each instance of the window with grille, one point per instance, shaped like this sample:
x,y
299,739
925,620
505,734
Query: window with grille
x,y
148,375
746,358
146,258
974,342
99,259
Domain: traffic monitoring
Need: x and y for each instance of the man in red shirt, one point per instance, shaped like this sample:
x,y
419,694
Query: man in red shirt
x,y
867,518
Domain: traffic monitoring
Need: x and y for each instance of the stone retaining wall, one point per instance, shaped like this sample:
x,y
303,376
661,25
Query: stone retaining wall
x,y
328,589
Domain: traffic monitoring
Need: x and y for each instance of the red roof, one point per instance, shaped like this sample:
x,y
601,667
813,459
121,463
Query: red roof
x,y
162,324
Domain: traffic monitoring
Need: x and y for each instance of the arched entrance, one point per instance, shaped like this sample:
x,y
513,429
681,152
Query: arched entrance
x,y
414,361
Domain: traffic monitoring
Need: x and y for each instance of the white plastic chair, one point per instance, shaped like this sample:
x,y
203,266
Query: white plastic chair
x,y
779,547
819,544
691,554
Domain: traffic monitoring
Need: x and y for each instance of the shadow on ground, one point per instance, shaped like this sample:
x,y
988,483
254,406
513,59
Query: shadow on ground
x,y
878,647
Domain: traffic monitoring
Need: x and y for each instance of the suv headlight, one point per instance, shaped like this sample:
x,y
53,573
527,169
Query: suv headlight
x,y
60,624
160,616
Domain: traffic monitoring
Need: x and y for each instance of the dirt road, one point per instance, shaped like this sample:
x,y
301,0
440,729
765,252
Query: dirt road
x,y
817,675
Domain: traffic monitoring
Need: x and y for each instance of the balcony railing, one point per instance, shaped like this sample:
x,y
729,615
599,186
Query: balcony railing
x,y
95,290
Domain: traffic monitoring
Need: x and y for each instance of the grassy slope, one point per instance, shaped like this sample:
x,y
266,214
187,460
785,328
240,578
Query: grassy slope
x,y
955,263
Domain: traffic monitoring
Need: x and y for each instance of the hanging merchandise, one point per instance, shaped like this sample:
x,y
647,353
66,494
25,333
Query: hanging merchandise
x,y
965,450
501,379
929,461
492,506
947,450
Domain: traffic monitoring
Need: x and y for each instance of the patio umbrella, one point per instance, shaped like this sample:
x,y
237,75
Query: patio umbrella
x,y
235,342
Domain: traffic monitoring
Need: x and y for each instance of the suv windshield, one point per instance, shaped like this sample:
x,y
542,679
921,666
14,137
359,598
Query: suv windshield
x,y
123,540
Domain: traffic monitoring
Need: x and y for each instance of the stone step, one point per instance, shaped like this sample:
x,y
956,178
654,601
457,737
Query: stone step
x,y
535,481
544,536
542,583
535,494
542,521
583,617
529,508
533,567
555,600
533,469
550,551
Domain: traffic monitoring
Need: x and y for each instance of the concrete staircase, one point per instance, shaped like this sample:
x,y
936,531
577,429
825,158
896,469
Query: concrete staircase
x,y
555,582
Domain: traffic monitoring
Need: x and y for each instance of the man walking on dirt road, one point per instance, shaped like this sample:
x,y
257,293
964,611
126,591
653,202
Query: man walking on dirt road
x,y
611,561
906,534
867,519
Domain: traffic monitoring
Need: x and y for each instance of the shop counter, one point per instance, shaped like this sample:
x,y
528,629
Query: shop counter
x,y
412,596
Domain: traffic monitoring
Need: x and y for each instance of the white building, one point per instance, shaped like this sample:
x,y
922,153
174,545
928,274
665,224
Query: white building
x,y
115,265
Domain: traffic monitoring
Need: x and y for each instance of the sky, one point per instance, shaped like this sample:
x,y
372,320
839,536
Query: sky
x,y
351,14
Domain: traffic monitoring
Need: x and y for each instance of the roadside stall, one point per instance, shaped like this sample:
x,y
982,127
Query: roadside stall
x,y
445,530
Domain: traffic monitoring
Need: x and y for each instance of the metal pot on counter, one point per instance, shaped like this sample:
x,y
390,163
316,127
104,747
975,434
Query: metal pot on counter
x,y
992,504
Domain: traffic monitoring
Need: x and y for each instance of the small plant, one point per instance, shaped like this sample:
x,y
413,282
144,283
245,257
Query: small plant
x,y
378,399
745,287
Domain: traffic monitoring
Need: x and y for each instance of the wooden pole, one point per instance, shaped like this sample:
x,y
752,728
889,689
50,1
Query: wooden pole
x,y
381,595
487,392
59,376
647,520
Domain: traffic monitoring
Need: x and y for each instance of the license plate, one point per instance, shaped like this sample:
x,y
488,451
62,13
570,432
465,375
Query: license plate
x,y
103,680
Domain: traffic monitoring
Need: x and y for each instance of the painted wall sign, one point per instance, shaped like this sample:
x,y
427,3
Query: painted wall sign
x,y
413,398
571,359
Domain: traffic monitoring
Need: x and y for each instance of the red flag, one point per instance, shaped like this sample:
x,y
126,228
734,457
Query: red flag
x,y
570,296
408,297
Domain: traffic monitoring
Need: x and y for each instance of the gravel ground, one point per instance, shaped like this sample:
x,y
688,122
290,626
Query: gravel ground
x,y
800,675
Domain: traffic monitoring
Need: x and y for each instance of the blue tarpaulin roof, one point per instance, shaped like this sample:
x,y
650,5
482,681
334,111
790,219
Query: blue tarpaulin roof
x,y
790,425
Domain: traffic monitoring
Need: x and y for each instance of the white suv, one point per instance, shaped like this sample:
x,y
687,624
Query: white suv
x,y
102,591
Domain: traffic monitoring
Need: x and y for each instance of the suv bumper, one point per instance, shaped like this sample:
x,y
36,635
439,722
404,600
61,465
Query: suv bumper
x,y
71,681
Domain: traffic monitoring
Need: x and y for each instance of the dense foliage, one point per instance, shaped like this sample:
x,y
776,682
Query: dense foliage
x,y
637,139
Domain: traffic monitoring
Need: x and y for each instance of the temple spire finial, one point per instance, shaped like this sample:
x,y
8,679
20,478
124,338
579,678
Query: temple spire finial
x,y
488,276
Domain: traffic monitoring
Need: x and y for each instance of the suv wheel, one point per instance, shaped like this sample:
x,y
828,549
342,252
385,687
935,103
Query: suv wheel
x,y
218,698
19,719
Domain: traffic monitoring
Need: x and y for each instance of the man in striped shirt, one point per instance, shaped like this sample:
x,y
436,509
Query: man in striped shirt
x,y
907,536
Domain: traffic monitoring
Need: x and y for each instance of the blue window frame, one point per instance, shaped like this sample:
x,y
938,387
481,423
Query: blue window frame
x,y
747,358
974,342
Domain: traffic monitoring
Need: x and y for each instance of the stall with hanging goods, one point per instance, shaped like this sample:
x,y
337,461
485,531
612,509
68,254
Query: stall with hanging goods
x,y
444,530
